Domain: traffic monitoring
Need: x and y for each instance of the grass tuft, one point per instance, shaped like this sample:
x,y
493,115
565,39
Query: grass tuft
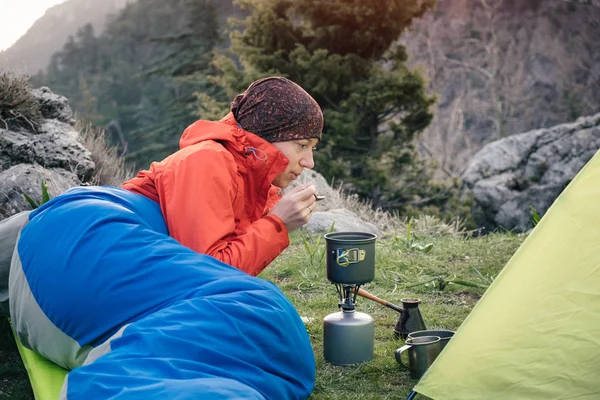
x,y
110,165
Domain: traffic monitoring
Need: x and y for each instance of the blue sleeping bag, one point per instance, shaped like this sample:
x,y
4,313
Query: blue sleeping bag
x,y
98,286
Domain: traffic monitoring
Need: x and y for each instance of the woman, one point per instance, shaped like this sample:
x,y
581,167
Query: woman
x,y
220,193
119,284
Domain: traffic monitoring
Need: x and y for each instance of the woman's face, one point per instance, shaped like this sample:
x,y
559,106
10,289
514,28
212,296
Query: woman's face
x,y
300,154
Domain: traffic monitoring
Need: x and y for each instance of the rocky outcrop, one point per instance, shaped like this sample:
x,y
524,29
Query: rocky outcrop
x,y
53,153
509,177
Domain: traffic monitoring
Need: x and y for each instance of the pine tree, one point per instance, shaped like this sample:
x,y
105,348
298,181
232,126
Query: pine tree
x,y
185,62
345,54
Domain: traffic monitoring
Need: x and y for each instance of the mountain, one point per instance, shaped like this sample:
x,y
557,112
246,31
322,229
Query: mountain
x,y
501,67
48,34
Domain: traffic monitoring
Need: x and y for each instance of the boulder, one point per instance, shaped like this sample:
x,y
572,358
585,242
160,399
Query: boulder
x,y
511,176
331,209
54,106
343,220
54,153
323,188
27,179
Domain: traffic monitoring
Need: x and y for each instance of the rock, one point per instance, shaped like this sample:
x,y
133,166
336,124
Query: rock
x,y
323,188
53,154
342,219
509,176
27,178
54,106
328,209
56,145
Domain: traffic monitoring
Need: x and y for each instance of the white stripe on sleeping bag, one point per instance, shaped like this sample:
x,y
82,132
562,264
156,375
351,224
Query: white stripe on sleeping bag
x,y
104,348
9,232
93,355
34,329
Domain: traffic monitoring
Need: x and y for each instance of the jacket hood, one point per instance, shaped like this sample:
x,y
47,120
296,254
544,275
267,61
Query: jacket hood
x,y
257,153
225,130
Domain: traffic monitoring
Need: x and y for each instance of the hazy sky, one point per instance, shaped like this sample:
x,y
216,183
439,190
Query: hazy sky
x,y
16,16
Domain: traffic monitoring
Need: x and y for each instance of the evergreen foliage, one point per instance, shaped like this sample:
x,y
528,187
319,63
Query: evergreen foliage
x,y
344,53
185,64
137,79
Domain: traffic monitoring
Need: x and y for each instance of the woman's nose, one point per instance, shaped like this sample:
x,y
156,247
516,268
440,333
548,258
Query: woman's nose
x,y
307,161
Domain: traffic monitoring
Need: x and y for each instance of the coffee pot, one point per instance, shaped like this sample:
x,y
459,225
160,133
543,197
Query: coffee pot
x,y
410,320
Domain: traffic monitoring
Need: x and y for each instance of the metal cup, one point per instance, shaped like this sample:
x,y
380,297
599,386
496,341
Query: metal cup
x,y
444,335
422,352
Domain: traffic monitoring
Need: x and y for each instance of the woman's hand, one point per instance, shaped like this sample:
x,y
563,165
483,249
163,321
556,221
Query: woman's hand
x,y
296,207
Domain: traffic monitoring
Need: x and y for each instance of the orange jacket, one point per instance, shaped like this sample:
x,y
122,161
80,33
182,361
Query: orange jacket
x,y
215,193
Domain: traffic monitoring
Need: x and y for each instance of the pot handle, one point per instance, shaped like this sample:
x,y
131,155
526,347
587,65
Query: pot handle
x,y
398,355
343,259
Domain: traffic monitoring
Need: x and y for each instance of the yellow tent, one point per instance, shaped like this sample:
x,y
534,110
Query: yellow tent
x,y
535,334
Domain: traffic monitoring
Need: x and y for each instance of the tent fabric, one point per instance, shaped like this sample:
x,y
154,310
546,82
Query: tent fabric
x,y
45,377
535,334
163,321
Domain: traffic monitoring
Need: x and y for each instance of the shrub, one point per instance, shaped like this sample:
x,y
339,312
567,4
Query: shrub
x,y
18,107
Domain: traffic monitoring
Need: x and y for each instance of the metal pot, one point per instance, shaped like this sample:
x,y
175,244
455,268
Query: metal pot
x,y
350,257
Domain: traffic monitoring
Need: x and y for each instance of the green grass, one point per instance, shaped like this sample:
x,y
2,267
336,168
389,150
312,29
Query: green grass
x,y
301,274
397,265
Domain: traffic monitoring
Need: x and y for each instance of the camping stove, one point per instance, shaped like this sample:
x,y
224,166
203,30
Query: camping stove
x,y
349,335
